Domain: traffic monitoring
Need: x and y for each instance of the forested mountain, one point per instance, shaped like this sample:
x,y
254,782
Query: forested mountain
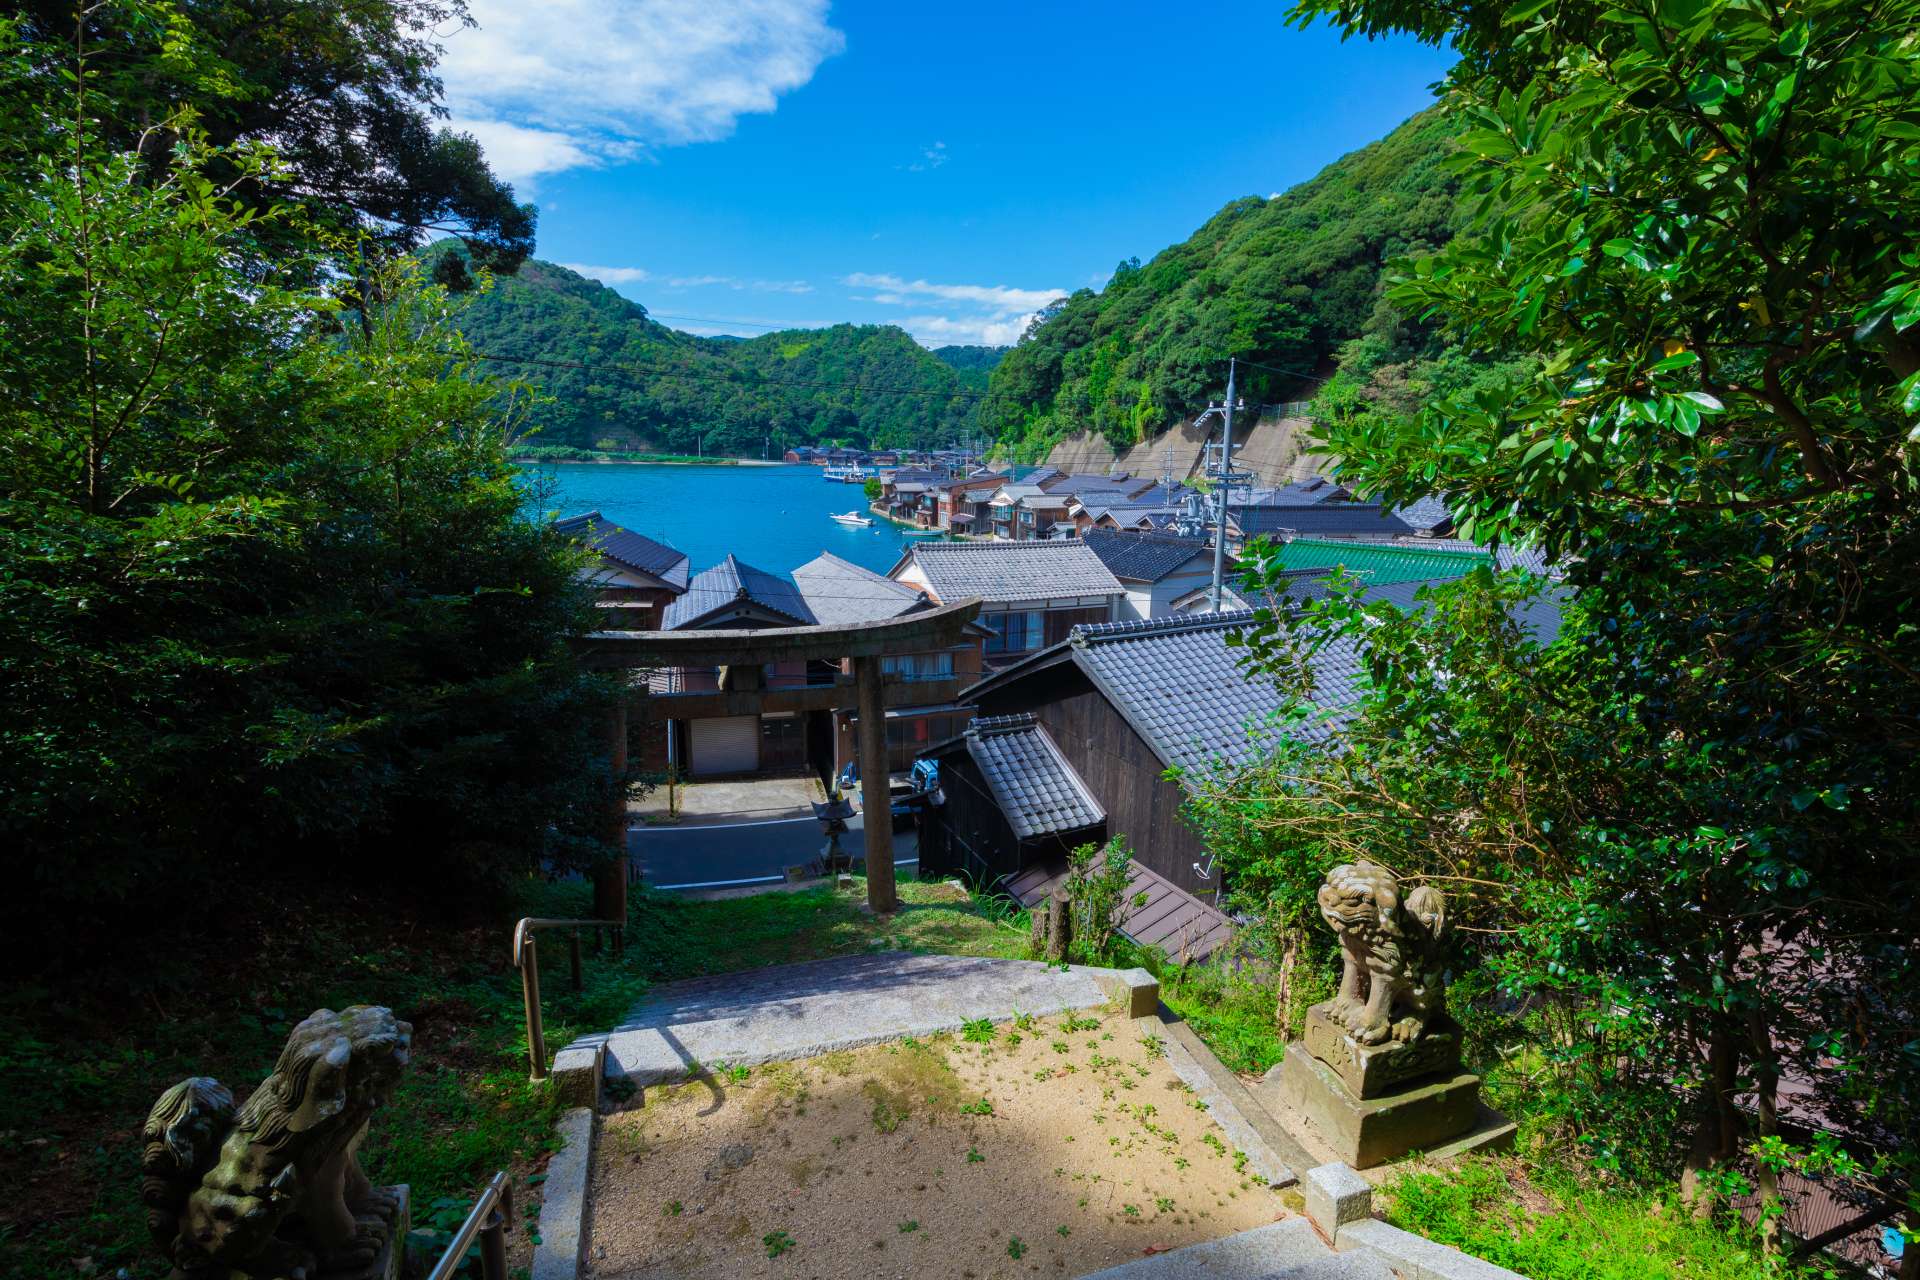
x,y
655,387
974,364
1289,282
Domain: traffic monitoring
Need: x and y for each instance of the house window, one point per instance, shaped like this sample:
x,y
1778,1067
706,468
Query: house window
x,y
1012,632
919,666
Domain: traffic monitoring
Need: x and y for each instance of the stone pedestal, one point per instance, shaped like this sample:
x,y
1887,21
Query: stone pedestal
x,y
388,1264
1365,1132
1374,1070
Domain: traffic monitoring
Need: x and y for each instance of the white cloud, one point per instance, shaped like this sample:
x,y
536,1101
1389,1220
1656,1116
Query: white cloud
x,y
930,158
609,275
999,297
936,331
548,85
997,314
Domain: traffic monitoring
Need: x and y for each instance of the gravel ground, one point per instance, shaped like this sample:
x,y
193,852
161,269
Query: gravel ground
x,y
947,1158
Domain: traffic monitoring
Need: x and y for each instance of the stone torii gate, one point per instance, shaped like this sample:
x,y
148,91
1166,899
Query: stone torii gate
x,y
747,653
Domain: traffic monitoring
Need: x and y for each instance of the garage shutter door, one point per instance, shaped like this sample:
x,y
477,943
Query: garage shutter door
x,y
729,745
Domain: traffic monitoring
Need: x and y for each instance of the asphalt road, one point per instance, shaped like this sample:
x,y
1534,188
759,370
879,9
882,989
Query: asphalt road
x,y
740,852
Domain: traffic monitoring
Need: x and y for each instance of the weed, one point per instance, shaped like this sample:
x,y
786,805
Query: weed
x,y
672,1210
1164,1204
777,1243
974,1157
909,1226
1154,1045
1131,1210
977,1031
1213,1140
1074,1022
1022,1021
1063,1232
980,1108
1015,1249
1061,1046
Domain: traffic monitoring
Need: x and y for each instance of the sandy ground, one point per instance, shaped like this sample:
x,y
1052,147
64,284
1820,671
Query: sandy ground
x,y
880,1163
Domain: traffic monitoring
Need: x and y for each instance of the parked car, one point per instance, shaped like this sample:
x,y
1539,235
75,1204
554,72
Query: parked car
x,y
910,793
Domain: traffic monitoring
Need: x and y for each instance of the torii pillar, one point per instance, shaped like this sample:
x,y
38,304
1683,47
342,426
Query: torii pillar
x,y
876,799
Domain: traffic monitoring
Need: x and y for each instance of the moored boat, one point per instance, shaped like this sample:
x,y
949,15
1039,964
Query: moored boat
x,y
850,517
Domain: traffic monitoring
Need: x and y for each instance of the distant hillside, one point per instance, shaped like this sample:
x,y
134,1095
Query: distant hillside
x,y
1289,282
656,388
974,364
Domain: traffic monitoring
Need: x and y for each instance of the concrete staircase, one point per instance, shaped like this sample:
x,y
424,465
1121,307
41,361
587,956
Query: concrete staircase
x,y
1289,1250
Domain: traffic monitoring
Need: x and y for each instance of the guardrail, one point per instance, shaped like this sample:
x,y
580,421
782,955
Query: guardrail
x,y
490,1219
526,958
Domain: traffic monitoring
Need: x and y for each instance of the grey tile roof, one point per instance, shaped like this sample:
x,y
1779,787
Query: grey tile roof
x,y
1075,486
1427,513
1032,782
1324,518
1012,571
730,582
1141,557
1169,917
1015,492
625,547
837,591
1183,688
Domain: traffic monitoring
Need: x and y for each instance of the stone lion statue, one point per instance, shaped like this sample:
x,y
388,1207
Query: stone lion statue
x,y
1392,975
274,1191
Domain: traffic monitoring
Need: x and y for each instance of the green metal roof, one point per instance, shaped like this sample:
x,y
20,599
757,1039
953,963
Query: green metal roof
x,y
1378,562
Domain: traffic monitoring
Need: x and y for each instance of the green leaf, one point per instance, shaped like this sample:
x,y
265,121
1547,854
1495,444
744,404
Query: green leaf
x,y
1707,91
1678,360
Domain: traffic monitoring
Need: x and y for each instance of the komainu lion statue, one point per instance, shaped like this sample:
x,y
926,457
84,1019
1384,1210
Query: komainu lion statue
x,y
1392,975
274,1191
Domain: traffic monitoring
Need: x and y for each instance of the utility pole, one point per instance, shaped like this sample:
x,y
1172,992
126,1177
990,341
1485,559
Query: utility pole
x,y
1221,490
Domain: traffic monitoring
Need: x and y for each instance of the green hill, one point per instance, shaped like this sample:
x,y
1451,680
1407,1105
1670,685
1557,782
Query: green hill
x,y
974,364
652,387
1289,282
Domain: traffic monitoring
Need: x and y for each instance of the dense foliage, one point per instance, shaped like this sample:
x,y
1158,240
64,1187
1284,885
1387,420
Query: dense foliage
x,y
1286,282
643,385
269,604
974,364
345,92
1692,825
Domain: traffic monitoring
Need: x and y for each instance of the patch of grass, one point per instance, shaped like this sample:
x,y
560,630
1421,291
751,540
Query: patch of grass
x,y
1232,1015
1559,1229
77,1078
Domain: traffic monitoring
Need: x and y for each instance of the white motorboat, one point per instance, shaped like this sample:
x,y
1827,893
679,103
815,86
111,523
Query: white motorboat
x,y
851,517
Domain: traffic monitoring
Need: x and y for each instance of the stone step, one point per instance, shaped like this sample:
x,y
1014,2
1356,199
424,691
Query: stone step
x,y
803,1010
1289,1250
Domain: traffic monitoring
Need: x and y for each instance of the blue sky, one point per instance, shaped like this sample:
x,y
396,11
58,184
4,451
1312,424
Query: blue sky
x,y
740,164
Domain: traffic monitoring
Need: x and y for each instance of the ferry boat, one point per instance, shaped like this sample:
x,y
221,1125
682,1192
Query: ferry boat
x,y
850,517
846,475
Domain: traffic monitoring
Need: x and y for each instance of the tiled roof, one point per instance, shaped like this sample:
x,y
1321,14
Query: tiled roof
x,y
1012,571
1326,517
1385,561
1086,485
1031,781
1539,617
1184,689
837,590
1141,557
1427,513
1014,492
732,581
1505,557
1155,912
625,547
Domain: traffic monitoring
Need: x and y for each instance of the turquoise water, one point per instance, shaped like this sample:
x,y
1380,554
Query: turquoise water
x,y
774,518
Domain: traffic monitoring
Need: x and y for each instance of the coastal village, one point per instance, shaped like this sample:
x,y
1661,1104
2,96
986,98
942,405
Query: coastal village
x,y
796,640
1097,685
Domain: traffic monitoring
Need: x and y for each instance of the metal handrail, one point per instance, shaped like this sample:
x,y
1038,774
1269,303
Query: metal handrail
x,y
490,1219
526,958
